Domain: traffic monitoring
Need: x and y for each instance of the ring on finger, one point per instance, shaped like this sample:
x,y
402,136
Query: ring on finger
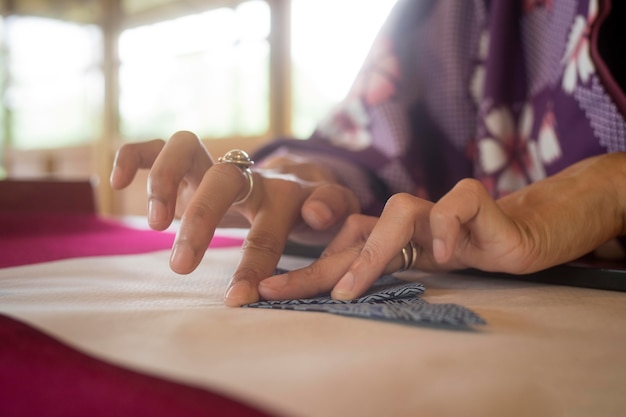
x,y
242,161
409,256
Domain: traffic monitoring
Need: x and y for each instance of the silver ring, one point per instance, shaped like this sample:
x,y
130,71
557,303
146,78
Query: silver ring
x,y
409,256
242,161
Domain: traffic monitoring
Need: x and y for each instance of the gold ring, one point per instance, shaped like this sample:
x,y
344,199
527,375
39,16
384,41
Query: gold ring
x,y
242,161
409,256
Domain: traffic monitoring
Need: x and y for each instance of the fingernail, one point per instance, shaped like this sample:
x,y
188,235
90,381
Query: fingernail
x,y
238,294
157,212
115,175
439,250
183,257
344,288
275,283
318,215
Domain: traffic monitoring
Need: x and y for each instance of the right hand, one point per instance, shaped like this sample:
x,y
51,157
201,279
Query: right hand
x,y
547,223
291,199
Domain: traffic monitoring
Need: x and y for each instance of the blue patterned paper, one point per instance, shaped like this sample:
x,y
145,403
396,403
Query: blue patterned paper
x,y
388,299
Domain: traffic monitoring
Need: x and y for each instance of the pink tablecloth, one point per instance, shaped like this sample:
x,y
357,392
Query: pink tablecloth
x,y
42,376
27,238
39,376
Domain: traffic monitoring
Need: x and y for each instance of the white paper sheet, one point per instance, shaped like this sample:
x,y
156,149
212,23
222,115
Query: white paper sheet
x,y
546,351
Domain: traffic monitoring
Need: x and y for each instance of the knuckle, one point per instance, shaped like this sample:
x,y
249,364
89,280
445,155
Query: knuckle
x,y
265,243
227,174
470,185
250,272
223,172
159,183
400,201
438,215
443,216
125,149
314,271
371,252
202,212
184,137
407,207
127,154
140,153
313,276
153,144
184,143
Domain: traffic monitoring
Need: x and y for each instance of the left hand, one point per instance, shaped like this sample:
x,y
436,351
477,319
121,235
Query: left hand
x,y
287,197
544,224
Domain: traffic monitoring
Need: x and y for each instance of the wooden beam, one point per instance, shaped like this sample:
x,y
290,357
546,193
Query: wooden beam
x,y
280,68
110,138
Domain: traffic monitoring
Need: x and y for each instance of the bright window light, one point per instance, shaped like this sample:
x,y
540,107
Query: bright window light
x,y
55,91
207,72
330,40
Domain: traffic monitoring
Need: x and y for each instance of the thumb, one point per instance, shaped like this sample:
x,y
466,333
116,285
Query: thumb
x,y
465,203
329,205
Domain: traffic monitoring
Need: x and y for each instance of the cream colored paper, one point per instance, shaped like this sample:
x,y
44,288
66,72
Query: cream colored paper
x,y
546,351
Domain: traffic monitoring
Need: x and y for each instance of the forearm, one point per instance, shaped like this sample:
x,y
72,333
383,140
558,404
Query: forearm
x,y
571,213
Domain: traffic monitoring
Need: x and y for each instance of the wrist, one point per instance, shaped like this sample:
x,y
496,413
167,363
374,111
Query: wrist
x,y
572,213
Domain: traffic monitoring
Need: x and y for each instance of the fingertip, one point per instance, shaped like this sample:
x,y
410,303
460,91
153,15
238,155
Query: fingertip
x,y
116,178
344,289
183,259
271,287
317,215
329,204
440,251
240,293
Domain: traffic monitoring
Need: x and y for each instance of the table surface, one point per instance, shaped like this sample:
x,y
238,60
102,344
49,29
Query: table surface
x,y
546,350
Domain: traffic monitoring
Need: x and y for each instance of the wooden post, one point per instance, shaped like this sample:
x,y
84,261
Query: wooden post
x,y
105,147
280,68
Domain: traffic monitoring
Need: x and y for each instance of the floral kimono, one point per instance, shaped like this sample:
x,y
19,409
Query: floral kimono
x,y
507,92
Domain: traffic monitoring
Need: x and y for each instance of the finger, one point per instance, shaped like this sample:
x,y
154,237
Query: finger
x,y
130,158
354,232
183,156
265,242
328,205
465,203
404,217
220,187
315,279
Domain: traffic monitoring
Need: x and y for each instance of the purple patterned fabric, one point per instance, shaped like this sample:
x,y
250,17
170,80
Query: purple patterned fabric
x,y
507,92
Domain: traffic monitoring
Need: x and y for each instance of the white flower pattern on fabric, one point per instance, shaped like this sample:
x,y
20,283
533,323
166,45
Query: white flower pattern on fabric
x,y
477,82
549,146
577,58
377,82
348,126
509,153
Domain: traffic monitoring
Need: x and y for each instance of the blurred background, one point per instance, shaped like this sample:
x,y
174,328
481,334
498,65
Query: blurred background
x,y
81,77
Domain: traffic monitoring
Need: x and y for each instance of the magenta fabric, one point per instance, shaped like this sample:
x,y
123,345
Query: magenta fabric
x,y
39,376
27,238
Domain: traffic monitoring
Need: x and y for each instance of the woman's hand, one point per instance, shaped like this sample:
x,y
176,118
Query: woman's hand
x,y
544,224
290,198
